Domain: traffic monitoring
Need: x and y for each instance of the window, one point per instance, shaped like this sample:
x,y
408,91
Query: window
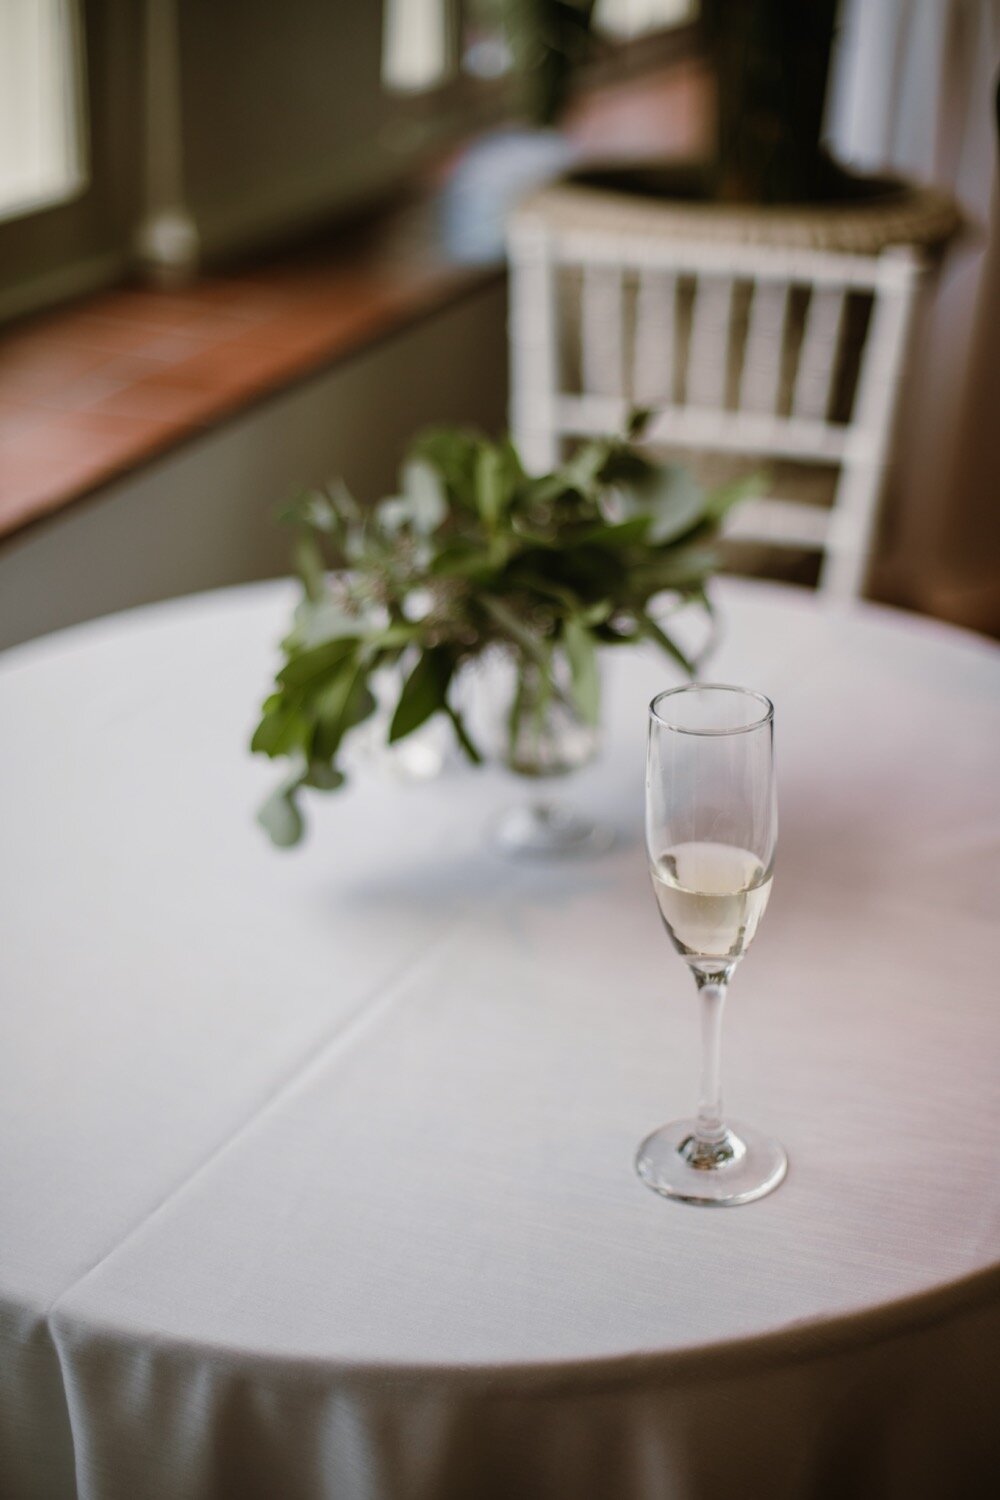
x,y
41,157
426,42
416,45
626,19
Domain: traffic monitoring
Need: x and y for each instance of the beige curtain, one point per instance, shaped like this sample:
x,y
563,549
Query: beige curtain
x,y
913,91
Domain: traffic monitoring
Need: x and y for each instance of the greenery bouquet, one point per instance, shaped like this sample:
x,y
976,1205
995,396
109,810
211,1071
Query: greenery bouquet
x,y
475,554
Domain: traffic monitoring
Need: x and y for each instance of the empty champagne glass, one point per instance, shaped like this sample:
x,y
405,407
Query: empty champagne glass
x,y
711,829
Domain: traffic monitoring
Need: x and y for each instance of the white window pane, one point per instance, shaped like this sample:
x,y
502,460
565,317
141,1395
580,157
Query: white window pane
x,y
40,155
630,18
416,51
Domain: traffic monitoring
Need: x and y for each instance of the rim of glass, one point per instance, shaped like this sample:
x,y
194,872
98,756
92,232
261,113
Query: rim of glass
x,y
712,687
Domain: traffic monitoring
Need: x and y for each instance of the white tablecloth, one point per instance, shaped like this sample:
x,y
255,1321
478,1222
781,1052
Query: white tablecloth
x,y
316,1173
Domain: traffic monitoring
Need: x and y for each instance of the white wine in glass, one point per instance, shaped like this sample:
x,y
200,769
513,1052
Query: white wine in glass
x,y
711,898
711,830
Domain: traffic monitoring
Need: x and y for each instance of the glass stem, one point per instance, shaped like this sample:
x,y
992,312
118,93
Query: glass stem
x,y
710,1129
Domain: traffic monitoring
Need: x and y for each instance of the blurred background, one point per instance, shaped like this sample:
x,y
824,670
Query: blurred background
x,y
244,248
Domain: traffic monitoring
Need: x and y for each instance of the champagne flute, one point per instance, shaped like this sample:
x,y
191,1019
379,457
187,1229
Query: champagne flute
x,y
711,828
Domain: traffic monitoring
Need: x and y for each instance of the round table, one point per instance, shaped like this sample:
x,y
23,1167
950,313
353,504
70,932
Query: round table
x,y
316,1175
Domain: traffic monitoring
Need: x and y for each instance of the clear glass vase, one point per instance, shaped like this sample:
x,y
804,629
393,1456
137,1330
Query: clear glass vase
x,y
547,739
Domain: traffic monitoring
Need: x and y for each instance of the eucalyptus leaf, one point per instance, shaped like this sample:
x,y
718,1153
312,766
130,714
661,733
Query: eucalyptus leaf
x,y
520,634
582,655
310,508
343,702
619,533
582,470
546,488
323,776
490,484
685,569
319,621
345,507
307,668
310,566
461,561
462,734
655,632
424,495
674,500
280,818
636,422
722,500
393,513
399,633
282,730
597,613
424,693
452,453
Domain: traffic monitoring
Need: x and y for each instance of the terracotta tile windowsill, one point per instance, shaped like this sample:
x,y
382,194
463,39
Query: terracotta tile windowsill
x,y
90,392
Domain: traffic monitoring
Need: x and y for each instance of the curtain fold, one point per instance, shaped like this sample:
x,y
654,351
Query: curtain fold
x,y
913,92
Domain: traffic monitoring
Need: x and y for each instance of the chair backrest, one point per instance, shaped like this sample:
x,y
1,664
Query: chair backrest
x,y
737,348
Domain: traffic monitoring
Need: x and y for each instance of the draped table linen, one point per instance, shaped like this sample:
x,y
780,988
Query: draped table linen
x,y
316,1174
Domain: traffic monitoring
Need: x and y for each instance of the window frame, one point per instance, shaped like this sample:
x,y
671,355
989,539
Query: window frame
x,y
87,242
55,250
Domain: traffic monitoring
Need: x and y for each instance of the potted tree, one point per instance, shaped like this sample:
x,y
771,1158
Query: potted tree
x,y
771,64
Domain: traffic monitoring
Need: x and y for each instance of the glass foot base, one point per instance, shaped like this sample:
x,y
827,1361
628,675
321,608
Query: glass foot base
x,y
541,829
743,1166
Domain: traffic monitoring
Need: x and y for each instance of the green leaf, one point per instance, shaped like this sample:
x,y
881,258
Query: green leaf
x,y
581,472
582,655
490,486
344,702
462,735
310,566
452,453
424,495
423,693
319,621
334,509
327,511
307,668
649,627
721,501
513,467
636,422
399,633
597,613
283,728
541,695
627,466
499,476
361,702
393,513
280,818
546,488
471,560
531,644
526,575
670,496
683,568
310,508
323,776
617,534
